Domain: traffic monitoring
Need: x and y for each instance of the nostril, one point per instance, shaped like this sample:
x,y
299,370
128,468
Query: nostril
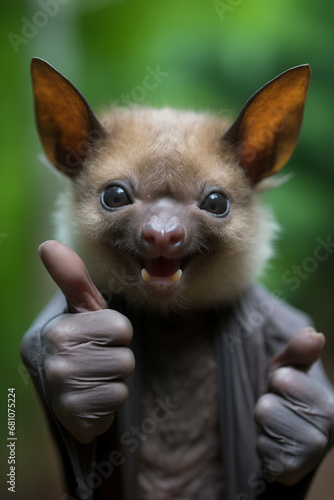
x,y
149,239
174,240
176,235
149,234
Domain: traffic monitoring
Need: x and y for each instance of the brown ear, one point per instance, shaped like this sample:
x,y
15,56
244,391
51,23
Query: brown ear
x,y
267,127
67,126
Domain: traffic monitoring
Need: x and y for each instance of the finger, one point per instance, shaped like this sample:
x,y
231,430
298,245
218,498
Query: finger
x,y
288,437
304,396
104,328
89,413
105,366
290,460
301,352
70,273
293,419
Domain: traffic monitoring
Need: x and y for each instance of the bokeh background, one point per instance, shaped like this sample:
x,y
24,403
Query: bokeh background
x,y
215,55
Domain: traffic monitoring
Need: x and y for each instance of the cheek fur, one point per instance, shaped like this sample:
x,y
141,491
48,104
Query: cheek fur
x,y
230,252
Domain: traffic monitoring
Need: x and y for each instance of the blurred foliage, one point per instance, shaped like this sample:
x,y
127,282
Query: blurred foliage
x,y
216,55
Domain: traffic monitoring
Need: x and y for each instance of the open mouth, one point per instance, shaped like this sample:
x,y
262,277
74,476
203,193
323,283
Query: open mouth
x,y
161,271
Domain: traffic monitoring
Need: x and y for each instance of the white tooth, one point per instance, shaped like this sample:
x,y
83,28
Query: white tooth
x,y
146,277
176,277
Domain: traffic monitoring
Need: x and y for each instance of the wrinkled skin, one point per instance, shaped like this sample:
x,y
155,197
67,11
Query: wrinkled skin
x,y
296,416
86,360
86,357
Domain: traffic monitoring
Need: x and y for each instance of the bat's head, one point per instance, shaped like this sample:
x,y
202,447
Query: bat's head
x,y
163,205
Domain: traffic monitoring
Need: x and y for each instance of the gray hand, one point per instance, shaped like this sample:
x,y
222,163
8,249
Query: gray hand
x,y
296,416
85,353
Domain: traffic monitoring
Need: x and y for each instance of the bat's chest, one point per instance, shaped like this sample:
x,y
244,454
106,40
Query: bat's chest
x,y
180,452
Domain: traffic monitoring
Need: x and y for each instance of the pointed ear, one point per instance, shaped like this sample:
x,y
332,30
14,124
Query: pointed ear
x,y
267,128
67,126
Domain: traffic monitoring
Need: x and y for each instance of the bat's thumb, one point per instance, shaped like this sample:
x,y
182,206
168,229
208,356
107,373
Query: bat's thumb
x,y
70,273
301,352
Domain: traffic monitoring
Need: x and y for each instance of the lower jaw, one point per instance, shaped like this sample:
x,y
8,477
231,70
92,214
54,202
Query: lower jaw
x,y
160,290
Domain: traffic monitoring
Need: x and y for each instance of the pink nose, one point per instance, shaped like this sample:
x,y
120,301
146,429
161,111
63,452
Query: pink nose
x,y
161,239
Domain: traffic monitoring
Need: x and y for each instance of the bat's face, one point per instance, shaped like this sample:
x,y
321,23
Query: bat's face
x,y
163,214
163,206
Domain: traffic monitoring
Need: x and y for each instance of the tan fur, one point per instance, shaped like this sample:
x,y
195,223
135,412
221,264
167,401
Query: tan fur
x,y
168,162
168,153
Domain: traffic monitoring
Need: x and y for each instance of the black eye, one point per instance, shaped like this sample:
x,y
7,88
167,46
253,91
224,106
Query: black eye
x,y
216,204
114,197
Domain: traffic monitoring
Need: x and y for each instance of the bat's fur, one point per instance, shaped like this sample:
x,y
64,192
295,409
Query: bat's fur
x,y
169,162
175,154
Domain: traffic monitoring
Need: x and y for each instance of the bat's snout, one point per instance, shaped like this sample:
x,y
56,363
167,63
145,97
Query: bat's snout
x,y
163,239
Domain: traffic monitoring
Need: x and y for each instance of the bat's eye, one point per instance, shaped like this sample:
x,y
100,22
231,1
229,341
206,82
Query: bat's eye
x,y
217,204
114,197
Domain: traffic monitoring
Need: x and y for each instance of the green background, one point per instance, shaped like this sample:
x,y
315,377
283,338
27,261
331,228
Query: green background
x,y
217,54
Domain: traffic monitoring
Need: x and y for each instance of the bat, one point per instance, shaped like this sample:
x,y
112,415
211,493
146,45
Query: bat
x,y
168,199
162,210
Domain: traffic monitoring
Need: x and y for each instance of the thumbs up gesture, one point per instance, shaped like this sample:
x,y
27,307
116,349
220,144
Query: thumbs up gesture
x,y
85,353
296,416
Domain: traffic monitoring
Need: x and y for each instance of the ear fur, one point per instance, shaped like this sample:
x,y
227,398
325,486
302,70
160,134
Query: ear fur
x,y
67,126
267,128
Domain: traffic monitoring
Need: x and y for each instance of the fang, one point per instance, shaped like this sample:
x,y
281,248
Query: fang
x,y
146,277
176,277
